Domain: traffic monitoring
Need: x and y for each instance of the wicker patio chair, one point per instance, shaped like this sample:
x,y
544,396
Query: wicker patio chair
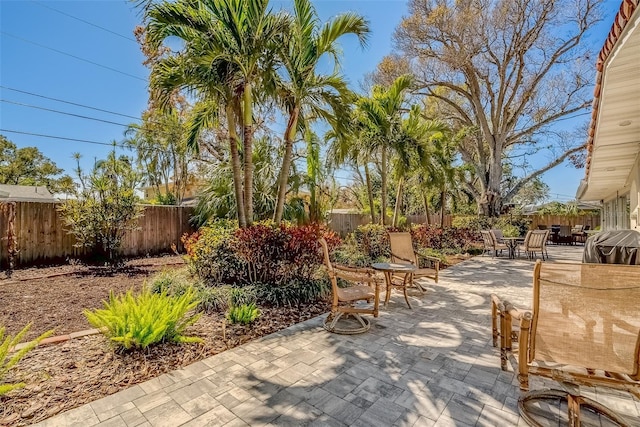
x,y
584,330
491,243
535,241
402,251
366,287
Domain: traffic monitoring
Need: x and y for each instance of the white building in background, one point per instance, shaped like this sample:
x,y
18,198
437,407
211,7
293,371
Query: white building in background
x,y
613,162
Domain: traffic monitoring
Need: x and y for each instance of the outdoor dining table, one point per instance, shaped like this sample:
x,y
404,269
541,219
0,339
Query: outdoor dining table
x,y
512,245
389,268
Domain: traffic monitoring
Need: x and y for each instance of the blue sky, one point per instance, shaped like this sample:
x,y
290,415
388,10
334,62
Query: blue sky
x,y
31,29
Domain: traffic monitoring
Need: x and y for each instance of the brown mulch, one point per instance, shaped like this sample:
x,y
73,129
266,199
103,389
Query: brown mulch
x,y
54,297
63,376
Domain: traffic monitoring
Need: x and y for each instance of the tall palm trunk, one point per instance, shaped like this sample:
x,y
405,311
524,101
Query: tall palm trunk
x,y
236,167
383,175
367,177
443,199
425,199
398,207
247,135
283,178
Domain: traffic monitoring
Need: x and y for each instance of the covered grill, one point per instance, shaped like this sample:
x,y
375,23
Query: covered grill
x,y
613,247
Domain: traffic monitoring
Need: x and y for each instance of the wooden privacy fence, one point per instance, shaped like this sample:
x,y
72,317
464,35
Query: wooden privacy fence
x,y
40,235
591,220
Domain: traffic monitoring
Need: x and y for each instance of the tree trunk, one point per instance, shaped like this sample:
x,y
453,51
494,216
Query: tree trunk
x,y
236,168
443,200
283,178
426,208
398,207
247,122
367,177
490,203
383,174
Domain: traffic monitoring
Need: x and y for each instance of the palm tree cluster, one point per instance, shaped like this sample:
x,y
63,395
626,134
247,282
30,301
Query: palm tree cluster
x,y
236,56
240,64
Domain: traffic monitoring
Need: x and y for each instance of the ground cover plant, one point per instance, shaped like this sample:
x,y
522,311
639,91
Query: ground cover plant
x,y
138,321
8,360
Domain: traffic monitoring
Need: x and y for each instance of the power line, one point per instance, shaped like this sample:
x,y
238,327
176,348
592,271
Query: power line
x,y
65,138
72,56
63,112
88,141
84,21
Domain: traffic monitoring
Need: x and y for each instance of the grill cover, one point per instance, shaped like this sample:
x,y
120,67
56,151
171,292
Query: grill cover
x,y
613,247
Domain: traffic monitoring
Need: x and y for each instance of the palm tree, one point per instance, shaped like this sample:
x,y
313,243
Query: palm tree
x,y
306,95
347,147
414,147
380,118
226,46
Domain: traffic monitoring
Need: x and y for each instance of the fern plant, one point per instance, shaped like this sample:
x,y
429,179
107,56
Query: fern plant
x,y
7,362
138,321
243,314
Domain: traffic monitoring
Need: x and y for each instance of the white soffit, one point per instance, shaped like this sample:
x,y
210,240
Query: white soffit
x,y
617,138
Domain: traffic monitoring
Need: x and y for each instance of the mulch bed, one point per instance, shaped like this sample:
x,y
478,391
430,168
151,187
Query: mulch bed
x,y
63,376
54,297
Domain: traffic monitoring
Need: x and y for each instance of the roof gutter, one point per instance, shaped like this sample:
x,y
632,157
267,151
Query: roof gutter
x,y
582,188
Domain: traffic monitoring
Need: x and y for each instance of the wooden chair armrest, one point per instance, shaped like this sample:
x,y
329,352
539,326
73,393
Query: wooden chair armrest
x,y
401,258
355,274
357,270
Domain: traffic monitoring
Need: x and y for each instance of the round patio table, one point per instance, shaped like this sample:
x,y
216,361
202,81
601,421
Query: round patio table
x,y
512,244
388,268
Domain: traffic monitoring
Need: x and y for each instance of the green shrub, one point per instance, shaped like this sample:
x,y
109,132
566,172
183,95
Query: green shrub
x,y
105,206
292,294
171,282
448,240
243,314
210,256
7,362
261,253
521,222
473,222
349,254
213,299
145,319
372,240
510,231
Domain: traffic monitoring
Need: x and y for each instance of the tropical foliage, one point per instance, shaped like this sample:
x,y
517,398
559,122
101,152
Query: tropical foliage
x,y
220,253
105,206
8,359
138,321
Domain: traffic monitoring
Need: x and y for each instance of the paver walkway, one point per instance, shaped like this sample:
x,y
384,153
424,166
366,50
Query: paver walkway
x,y
430,366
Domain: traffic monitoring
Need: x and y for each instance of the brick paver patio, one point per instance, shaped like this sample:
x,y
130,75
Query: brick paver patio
x,y
430,366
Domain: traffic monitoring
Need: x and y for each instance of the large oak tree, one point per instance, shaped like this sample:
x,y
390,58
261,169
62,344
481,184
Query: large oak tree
x,y
510,69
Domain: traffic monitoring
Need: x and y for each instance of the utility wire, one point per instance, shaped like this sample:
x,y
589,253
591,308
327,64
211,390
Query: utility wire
x,y
63,112
65,138
84,21
70,103
72,56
